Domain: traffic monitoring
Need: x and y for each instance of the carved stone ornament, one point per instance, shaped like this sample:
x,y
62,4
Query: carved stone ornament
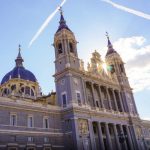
x,y
75,81
83,126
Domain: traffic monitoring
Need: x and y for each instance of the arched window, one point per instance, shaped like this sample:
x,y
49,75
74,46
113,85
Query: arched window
x,y
27,90
71,47
112,68
22,90
5,91
121,68
13,87
32,92
59,48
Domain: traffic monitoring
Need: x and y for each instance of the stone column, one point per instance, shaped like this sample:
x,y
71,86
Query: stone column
x,y
108,138
133,101
65,50
99,103
93,145
72,100
129,138
135,140
116,137
100,137
108,99
75,133
87,100
84,91
94,100
124,144
120,99
100,93
116,105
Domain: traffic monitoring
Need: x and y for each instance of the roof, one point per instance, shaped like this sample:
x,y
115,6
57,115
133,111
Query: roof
x,y
62,24
19,71
110,48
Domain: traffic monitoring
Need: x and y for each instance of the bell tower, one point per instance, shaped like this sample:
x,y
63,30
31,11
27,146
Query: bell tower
x,y
115,66
65,44
68,81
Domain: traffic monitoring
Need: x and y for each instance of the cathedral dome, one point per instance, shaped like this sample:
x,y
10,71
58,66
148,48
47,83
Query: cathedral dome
x,y
19,72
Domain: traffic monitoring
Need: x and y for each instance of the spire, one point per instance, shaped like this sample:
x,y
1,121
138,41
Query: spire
x,y
110,46
62,22
19,59
109,43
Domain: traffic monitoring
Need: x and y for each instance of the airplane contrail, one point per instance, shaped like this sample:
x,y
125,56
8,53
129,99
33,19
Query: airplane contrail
x,y
44,25
129,10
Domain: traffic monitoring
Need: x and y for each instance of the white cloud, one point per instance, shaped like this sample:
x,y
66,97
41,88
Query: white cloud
x,y
129,10
136,56
137,59
146,118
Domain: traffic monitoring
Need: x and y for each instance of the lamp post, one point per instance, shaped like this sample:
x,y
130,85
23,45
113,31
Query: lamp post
x,y
122,139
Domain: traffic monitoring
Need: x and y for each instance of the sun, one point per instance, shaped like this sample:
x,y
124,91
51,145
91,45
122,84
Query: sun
x,y
104,65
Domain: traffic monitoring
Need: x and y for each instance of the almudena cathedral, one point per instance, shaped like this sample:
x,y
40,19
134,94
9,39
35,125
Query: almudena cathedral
x,y
90,110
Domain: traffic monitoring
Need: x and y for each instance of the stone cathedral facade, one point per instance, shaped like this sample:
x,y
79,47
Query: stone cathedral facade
x,y
91,109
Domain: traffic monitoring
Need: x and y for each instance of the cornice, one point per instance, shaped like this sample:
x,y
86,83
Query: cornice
x,y
29,106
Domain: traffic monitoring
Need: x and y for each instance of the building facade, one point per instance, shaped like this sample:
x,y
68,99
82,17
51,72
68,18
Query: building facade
x,y
92,109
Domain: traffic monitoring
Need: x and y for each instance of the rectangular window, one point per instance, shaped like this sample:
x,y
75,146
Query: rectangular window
x,y
13,119
46,140
30,139
78,98
45,123
30,121
64,100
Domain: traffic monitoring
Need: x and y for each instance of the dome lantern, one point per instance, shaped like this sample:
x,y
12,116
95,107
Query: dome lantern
x,y
19,71
19,59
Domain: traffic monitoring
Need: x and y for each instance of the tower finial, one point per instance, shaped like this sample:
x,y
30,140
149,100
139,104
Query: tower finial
x,y
19,53
61,11
19,46
110,46
109,43
62,22
107,35
19,59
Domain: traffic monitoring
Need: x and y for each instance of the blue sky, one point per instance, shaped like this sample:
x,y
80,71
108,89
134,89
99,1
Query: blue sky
x,y
89,20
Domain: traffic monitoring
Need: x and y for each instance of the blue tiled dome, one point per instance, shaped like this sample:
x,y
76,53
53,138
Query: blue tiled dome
x,y
19,72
